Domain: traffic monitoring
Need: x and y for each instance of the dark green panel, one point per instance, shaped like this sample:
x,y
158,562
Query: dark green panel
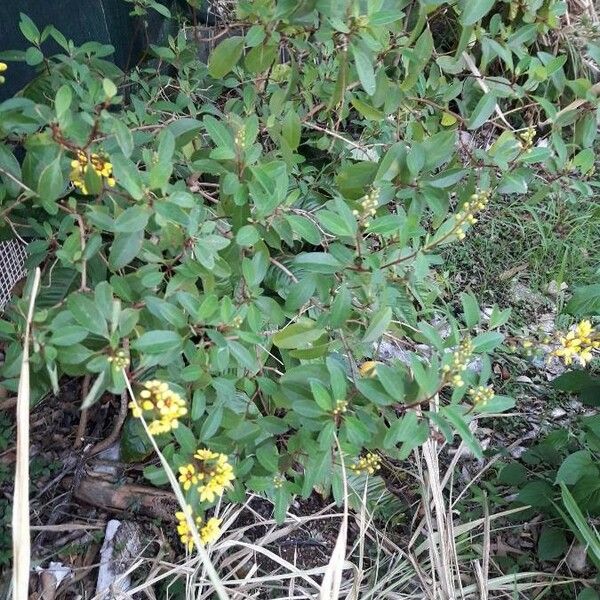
x,y
105,21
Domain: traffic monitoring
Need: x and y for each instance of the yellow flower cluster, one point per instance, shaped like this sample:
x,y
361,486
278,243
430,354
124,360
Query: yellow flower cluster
x,y
458,364
120,360
341,406
579,343
80,166
162,405
481,395
368,368
210,471
208,531
367,464
3,67
466,215
240,140
278,481
368,207
527,138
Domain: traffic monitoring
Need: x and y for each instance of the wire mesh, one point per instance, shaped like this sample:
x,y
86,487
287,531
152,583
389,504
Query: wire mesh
x,y
12,268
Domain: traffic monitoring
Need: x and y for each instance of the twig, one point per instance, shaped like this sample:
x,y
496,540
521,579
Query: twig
x,y
483,85
335,135
18,182
114,434
284,269
83,419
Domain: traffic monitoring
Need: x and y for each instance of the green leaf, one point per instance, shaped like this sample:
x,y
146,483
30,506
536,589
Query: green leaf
x,y
268,456
184,130
366,110
582,383
588,594
247,235
574,467
589,535
127,175
185,438
218,132
487,341
211,423
51,183
158,341
321,395
298,335
134,218
125,247
29,29
470,309
68,334
87,314
123,137
341,307
291,129
364,68
95,391
225,56
335,224
552,543
585,301
62,100
536,493
318,262
379,323
482,111
474,10
260,58
454,414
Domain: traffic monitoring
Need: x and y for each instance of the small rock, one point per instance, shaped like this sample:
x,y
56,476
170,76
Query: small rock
x,y
522,293
518,451
576,558
389,351
123,541
554,289
558,413
476,364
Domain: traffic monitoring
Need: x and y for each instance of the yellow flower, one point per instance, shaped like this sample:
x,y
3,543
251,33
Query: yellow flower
x,y
211,531
80,166
278,481
187,476
208,531
119,360
368,368
458,364
341,406
466,216
579,344
482,394
164,407
369,464
214,472
3,67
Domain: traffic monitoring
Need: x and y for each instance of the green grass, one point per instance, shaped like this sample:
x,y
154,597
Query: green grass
x,y
531,242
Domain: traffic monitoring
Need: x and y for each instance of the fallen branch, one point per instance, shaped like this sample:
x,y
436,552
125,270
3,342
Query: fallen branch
x,y
118,498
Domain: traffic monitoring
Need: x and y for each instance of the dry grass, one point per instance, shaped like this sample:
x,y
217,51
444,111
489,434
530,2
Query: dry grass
x,y
21,535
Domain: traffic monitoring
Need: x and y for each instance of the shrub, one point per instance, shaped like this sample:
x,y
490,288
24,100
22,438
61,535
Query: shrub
x,y
251,232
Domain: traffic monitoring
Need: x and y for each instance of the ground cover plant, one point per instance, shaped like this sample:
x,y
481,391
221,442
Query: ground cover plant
x,y
252,265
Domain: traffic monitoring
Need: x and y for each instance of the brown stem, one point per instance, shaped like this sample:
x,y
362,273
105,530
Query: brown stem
x,y
116,430
83,419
